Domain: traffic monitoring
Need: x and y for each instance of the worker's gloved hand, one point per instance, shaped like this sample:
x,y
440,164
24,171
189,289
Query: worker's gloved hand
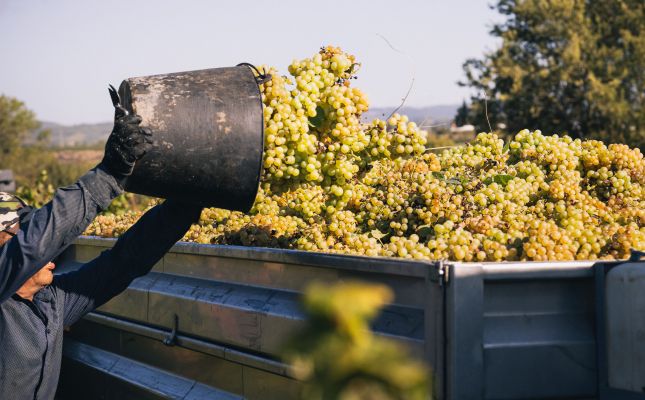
x,y
127,143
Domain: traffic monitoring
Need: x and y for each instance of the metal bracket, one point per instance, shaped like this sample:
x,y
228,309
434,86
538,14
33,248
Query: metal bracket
x,y
171,339
440,274
444,272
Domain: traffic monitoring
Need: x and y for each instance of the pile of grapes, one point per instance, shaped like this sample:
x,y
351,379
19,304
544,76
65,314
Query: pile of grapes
x,y
334,183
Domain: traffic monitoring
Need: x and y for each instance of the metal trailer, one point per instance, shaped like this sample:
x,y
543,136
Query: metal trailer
x,y
208,323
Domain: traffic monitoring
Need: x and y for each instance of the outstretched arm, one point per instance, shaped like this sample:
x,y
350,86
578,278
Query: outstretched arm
x,y
133,255
53,227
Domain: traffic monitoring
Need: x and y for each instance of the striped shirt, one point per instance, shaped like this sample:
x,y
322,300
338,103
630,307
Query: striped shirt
x,y
31,332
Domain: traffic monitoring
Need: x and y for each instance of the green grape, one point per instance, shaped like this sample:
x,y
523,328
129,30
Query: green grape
x,y
333,183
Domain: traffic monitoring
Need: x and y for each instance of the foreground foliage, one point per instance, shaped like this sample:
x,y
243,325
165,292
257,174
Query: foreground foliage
x,y
338,357
335,184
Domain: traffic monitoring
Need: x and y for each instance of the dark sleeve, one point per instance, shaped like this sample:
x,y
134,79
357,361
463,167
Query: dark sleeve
x,y
53,227
133,255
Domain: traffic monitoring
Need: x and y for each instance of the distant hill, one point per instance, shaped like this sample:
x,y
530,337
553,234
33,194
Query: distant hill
x,y
77,135
428,115
89,134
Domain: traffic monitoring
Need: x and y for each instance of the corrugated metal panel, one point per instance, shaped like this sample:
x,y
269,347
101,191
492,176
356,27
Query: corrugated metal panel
x,y
241,305
539,338
495,331
521,331
122,377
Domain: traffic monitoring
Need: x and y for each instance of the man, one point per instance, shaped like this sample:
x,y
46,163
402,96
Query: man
x,y
35,305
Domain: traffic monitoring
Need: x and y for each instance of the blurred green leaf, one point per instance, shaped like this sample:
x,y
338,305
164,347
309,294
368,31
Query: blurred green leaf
x,y
337,356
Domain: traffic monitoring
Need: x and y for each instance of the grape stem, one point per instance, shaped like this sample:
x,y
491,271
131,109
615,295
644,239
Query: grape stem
x,y
405,98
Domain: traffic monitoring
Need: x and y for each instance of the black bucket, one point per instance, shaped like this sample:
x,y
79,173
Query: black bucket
x,y
208,136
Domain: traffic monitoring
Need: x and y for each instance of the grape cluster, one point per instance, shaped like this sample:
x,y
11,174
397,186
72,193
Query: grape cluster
x,y
332,183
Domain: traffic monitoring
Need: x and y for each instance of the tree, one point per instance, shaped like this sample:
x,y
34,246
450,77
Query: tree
x,y
16,122
564,66
462,118
25,150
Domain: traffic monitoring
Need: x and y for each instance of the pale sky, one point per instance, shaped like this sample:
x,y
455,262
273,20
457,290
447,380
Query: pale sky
x,y
58,56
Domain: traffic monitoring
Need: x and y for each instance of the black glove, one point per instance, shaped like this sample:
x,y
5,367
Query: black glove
x,y
127,143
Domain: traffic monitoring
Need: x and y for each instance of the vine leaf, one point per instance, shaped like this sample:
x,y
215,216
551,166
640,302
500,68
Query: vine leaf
x,y
454,181
501,179
424,231
317,120
380,236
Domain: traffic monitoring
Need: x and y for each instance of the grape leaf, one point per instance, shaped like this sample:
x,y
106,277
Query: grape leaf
x,y
501,179
376,234
318,119
519,245
454,181
424,231
353,69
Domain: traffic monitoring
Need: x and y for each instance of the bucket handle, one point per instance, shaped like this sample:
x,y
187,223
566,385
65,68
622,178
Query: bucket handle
x,y
261,78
